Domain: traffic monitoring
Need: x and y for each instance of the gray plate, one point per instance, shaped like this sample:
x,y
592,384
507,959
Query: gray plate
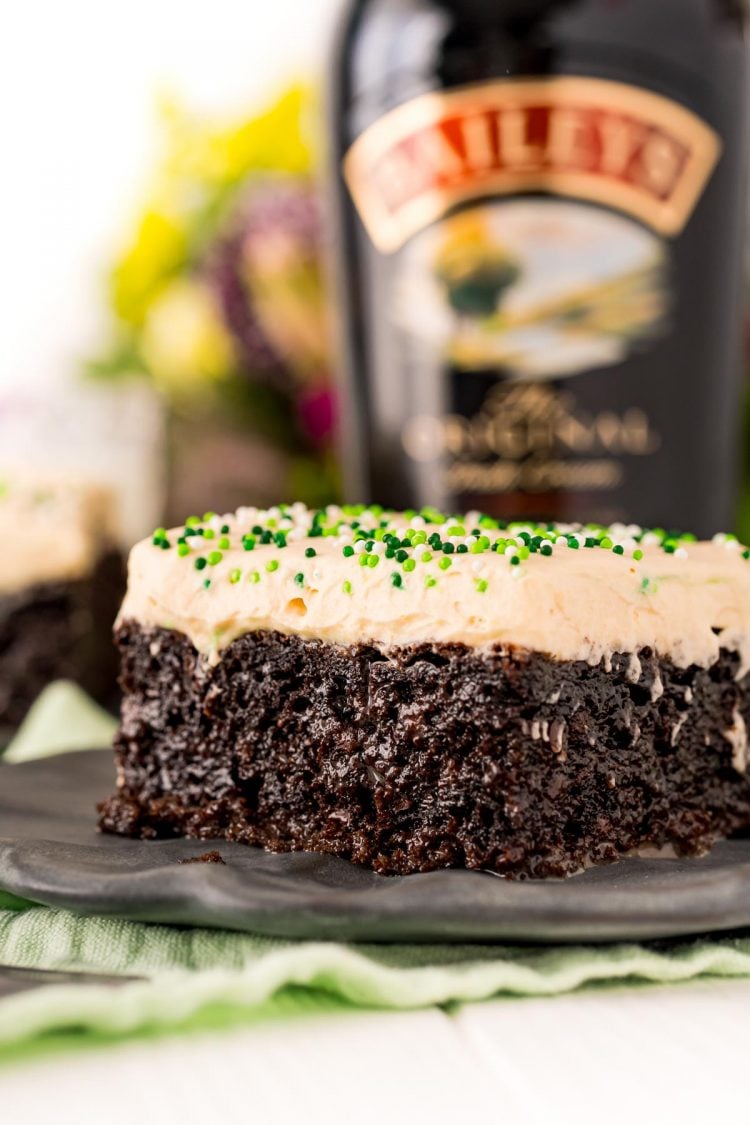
x,y
50,852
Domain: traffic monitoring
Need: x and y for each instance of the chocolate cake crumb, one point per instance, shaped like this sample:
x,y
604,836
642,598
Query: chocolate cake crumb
x,y
429,755
206,857
59,630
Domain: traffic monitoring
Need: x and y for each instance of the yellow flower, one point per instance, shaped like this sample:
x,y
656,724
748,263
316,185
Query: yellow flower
x,y
201,166
159,251
184,341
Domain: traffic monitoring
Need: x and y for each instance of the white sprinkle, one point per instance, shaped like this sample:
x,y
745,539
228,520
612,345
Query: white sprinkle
x,y
360,547
378,548
680,553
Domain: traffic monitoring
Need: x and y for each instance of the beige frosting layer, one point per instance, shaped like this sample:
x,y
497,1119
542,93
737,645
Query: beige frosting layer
x,y
51,530
577,604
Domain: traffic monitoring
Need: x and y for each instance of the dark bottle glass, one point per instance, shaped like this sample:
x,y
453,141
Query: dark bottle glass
x,y
539,208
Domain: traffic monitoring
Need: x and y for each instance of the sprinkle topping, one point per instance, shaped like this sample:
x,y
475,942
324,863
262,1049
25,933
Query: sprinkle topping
x,y
414,546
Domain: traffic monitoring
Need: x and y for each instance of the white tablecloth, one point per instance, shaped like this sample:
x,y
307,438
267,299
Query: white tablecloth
x,y
640,1055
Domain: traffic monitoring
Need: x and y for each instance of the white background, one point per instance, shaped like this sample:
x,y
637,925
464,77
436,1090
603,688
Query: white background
x,y
79,80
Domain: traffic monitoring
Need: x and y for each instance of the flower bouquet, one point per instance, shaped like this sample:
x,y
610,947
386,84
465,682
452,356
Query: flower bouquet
x,y
220,300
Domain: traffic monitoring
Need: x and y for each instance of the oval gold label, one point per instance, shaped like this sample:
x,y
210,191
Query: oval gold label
x,y
587,138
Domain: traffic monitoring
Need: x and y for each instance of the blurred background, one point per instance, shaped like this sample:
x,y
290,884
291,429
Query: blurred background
x,y
165,304
134,208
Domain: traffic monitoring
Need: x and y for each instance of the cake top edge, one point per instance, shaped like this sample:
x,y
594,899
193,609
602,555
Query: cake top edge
x,y
356,573
379,532
53,527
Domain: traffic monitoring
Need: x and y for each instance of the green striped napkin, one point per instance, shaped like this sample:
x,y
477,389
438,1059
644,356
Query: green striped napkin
x,y
197,978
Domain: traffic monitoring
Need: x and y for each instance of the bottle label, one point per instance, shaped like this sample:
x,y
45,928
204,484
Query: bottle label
x,y
589,138
525,229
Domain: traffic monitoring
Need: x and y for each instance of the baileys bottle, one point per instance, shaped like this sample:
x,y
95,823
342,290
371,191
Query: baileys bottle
x,y
539,226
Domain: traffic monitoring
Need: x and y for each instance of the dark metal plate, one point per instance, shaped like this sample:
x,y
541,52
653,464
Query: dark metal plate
x,y
51,853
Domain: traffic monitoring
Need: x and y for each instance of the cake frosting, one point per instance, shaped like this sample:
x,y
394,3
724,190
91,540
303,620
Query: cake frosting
x,y
52,530
363,575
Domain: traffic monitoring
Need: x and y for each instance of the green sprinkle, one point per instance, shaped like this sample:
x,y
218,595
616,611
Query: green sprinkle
x,y
347,587
445,563
208,533
209,516
372,561
225,529
638,555
254,576
271,565
206,583
430,581
200,564
363,559
545,551
299,579
396,580
481,585
409,565
348,552
448,548
215,558
310,553
183,550
618,549
192,521
224,544
401,556
426,557
515,561
234,576
248,543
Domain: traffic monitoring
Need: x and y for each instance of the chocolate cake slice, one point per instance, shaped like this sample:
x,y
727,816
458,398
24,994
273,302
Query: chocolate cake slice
x,y
61,582
411,691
